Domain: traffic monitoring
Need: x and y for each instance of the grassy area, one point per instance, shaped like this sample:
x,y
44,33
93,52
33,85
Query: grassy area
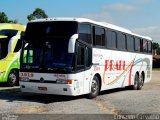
x,y
156,69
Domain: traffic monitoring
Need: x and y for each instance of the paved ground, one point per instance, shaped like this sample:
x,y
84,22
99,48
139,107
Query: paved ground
x,y
117,101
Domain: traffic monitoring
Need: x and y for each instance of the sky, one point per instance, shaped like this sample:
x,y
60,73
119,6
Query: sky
x,y
139,16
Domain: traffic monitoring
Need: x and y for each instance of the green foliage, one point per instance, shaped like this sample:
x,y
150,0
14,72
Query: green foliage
x,y
38,13
155,45
158,51
30,17
4,19
13,21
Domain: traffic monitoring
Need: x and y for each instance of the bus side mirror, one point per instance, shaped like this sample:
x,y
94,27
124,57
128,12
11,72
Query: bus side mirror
x,y
11,43
72,41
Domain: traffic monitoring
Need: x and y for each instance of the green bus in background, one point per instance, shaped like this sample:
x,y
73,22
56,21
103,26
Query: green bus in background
x,y
10,45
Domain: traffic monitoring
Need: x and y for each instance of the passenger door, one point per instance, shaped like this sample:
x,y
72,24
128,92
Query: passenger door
x,y
83,64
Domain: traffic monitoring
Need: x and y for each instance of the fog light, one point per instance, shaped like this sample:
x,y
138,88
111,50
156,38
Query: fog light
x,y
62,81
22,86
64,89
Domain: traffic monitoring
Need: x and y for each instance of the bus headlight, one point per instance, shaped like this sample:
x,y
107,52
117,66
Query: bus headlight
x,y
62,81
24,79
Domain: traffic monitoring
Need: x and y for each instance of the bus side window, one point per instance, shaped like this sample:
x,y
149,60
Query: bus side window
x,y
111,39
137,44
145,46
80,56
114,39
122,40
99,36
30,56
88,57
149,47
130,43
85,33
24,56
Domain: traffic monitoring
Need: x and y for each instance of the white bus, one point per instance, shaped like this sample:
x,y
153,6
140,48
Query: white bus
x,y
75,56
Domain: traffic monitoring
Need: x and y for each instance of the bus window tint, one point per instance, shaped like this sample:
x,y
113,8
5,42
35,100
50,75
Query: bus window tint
x,y
8,33
130,43
85,33
108,37
39,30
3,47
88,56
145,46
122,42
149,47
99,36
137,44
80,57
113,39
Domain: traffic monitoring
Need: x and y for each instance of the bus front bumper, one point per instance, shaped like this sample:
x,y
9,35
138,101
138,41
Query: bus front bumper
x,y
45,88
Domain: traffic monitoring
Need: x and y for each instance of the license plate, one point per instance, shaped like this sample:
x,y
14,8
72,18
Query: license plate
x,y
42,88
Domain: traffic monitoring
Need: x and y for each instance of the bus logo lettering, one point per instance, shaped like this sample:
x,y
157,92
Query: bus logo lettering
x,y
112,65
27,74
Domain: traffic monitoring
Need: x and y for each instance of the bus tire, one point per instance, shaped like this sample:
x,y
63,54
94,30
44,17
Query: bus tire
x,y
136,79
12,78
95,87
140,82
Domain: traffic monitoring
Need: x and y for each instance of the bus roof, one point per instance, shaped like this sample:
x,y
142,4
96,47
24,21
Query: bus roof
x,y
12,26
82,20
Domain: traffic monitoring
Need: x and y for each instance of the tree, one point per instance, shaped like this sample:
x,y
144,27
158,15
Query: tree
x,y
4,19
155,45
156,48
13,21
158,51
30,17
38,13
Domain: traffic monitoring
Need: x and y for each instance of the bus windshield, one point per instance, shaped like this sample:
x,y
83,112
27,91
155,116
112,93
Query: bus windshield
x,y
3,47
47,48
6,34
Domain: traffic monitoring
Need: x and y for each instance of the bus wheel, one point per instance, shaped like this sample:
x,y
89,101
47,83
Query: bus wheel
x,y
140,82
12,78
136,79
94,88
